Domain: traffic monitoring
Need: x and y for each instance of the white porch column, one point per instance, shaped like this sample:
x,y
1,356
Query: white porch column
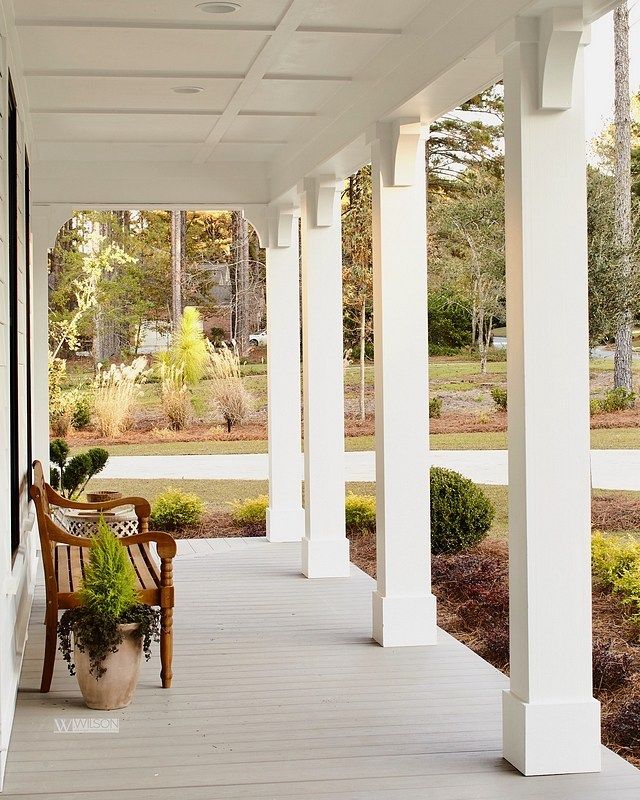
x,y
325,548
285,515
404,610
551,723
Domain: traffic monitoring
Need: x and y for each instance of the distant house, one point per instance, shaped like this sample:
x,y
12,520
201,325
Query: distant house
x,y
218,284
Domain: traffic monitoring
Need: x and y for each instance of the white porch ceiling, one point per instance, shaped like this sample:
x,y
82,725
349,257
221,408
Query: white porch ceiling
x,y
288,86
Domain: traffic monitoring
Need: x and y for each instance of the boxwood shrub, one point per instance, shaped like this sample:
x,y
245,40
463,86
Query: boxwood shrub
x,y
461,513
175,509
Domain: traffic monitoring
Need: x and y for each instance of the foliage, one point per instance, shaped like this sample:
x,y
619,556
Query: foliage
x,y
477,582
108,598
449,320
70,476
250,511
62,404
467,251
616,565
189,352
357,272
175,509
499,397
608,292
624,726
618,399
217,336
230,396
109,583
469,135
116,391
611,670
360,512
461,514
82,413
435,408
176,401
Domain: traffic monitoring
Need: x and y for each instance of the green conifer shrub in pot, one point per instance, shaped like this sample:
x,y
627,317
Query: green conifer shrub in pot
x,y
110,627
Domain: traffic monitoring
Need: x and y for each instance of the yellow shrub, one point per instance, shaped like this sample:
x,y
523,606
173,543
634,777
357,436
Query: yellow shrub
x,y
248,512
616,565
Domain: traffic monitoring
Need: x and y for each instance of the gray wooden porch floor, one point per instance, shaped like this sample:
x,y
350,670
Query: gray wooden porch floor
x,y
280,693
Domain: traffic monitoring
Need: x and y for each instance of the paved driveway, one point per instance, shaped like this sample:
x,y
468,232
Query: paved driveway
x,y
611,469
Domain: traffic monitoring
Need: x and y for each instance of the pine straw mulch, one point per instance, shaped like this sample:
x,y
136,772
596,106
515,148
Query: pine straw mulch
x,y
472,593
615,512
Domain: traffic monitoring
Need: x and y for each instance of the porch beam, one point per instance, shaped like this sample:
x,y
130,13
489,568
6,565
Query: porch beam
x,y
551,723
325,548
285,515
404,610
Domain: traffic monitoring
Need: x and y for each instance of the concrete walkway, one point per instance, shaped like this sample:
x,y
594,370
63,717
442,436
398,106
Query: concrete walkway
x,y
611,469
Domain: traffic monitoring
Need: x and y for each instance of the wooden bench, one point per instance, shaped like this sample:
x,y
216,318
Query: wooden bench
x,y
64,556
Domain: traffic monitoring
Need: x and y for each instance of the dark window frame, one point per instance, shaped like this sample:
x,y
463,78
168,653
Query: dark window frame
x,y
28,312
14,305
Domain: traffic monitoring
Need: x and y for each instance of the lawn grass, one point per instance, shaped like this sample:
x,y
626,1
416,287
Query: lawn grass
x,y
601,439
217,495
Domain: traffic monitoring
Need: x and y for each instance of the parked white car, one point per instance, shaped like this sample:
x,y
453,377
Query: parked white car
x,y
258,339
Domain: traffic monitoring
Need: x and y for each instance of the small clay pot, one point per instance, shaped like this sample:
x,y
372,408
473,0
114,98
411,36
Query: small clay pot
x,y
115,689
102,497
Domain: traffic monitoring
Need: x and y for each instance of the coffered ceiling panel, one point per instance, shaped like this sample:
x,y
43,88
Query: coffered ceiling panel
x,y
146,50
251,12
121,127
51,92
326,54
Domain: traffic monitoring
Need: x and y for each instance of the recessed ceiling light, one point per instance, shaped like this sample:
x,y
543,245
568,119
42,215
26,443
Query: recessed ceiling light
x,y
188,89
218,8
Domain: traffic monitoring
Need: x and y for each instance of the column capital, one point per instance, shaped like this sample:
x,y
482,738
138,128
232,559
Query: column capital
x,y
46,221
399,142
320,194
558,33
280,222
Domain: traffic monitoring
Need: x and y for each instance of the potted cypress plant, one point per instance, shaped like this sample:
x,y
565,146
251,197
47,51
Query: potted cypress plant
x,y
110,627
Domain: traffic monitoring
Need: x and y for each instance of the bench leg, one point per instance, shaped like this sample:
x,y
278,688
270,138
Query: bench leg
x,y
50,642
166,646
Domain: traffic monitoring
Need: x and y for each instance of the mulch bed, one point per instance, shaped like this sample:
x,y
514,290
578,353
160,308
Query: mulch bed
x,y
473,605
146,432
615,513
219,525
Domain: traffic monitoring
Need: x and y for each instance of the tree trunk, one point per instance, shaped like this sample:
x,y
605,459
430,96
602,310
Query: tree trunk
x,y
363,344
240,282
176,268
622,373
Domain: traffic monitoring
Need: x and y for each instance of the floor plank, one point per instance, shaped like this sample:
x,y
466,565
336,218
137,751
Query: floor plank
x,y
280,693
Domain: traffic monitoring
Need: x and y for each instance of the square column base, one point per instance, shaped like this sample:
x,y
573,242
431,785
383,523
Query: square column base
x,y
285,524
325,558
551,738
404,621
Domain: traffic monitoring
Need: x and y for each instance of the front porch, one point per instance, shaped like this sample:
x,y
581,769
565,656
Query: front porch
x,y
280,692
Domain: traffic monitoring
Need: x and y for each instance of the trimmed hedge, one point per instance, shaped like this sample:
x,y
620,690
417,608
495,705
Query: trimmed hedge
x,y
461,513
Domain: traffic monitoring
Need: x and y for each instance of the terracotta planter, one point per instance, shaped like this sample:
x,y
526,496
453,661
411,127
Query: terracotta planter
x,y
103,497
115,689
